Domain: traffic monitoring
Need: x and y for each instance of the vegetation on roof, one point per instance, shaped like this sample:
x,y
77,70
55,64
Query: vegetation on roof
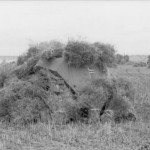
x,y
81,53
76,53
49,55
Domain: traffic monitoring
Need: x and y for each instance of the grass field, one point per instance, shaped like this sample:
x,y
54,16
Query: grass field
x,y
129,136
138,58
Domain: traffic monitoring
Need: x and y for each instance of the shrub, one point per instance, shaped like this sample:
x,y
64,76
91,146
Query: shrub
x,y
104,93
97,93
23,102
31,53
5,73
107,116
23,71
27,110
122,59
26,100
57,53
148,61
124,88
100,62
32,61
3,77
140,64
91,97
105,53
77,112
43,46
79,54
50,54
41,79
122,109
47,56
19,71
21,59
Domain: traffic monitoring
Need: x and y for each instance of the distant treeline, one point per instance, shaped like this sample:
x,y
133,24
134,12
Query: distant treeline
x,y
122,59
148,61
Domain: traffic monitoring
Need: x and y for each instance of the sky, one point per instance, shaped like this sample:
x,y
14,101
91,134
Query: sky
x,y
124,24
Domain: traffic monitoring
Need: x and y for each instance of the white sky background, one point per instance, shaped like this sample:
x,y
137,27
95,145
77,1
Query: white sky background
x,y
125,24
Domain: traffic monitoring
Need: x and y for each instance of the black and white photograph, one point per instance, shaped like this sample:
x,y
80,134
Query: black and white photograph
x,y
74,75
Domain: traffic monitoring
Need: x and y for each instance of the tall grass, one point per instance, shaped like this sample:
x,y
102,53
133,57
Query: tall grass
x,y
81,136
107,136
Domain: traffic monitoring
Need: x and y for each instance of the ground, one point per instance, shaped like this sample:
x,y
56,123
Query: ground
x,y
129,136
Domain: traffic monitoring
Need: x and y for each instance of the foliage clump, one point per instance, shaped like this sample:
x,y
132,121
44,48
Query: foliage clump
x,y
103,95
47,56
122,59
124,88
3,77
77,112
50,54
148,61
105,54
26,96
32,52
27,69
91,97
5,73
79,54
51,45
57,53
23,102
122,109
21,59
140,64
97,93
